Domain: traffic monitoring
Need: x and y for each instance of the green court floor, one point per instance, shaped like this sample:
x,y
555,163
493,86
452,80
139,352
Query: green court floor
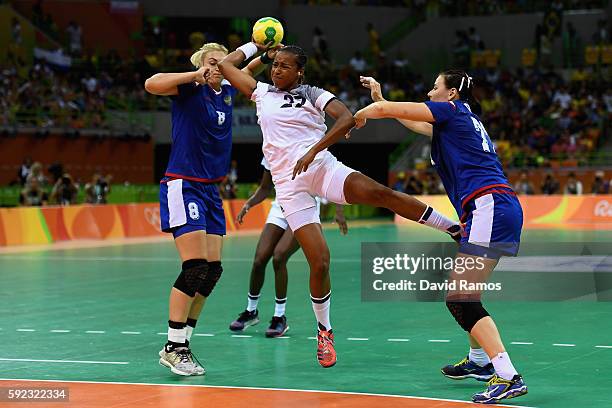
x,y
105,309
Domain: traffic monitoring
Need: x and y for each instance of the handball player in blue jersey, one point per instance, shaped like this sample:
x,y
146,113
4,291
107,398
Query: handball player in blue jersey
x,y
465,159
190,206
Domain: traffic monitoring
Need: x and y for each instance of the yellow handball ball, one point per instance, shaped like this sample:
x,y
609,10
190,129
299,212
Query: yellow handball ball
x,y
268,32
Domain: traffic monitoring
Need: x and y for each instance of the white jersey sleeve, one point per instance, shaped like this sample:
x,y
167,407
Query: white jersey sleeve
x,y
260,90
318,97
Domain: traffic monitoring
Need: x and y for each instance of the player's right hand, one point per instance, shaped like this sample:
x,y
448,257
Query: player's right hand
x,y
245,209
374,87
202,75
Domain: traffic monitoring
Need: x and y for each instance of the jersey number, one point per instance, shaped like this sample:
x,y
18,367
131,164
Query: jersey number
x,y
487,146
290,101
194,213
220,118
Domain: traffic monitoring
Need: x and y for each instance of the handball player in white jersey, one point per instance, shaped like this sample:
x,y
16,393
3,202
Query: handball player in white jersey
x,y
292,119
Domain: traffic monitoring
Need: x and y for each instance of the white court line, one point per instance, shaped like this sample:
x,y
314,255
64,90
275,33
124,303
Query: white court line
x,y
64,361
283,337
26,330
130,332
199,334
258,388
311,338
358,338
564,345
523,343
607,347
95,331
137,259
438,341
398,339
60,331
241,335
162,334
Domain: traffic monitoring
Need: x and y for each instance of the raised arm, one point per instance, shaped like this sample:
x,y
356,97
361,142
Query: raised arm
x,y
239,79
344,123
263,191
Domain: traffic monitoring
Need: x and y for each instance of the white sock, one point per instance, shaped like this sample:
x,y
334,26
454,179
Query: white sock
x,y
434,219
320,306
177,335
252,302
503,366
188,332
279,308
479,357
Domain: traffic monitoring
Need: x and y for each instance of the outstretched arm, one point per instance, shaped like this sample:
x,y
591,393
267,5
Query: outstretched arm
x,y
399,110
373,85
344,123
165,84
239,79
262,192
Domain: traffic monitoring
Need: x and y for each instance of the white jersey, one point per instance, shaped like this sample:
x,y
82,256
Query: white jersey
x,y
291,123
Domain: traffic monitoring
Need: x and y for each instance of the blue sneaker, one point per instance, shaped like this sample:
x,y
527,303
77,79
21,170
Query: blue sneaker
x,y
468,369
499,389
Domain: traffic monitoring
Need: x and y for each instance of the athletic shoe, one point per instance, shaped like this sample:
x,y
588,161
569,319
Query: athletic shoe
x,y
244,320
278,326
180,361
468,369
326,354
499,389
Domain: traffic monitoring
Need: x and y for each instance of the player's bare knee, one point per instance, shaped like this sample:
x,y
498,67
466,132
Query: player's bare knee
x,y
260,262
279,260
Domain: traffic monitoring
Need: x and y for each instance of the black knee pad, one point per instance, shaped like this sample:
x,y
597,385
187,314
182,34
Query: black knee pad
x,y
210,280
467,314
191,277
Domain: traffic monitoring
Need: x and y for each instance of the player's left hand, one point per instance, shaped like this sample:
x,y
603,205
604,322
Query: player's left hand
x,y
360,120
302,164
341,221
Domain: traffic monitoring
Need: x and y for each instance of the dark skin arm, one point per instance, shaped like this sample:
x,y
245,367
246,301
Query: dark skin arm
x,y
344,123
240,79
263,191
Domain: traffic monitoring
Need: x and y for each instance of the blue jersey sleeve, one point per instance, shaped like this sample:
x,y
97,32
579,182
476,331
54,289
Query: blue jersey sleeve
x,y
186,90
442,111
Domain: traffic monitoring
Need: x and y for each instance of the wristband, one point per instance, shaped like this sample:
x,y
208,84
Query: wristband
x,y
248,49
265,59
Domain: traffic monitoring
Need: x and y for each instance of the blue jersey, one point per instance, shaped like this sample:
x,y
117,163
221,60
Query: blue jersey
x,y
201,133
463,154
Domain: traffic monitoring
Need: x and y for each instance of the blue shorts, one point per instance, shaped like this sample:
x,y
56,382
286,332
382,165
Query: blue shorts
x,y
493,226
186,206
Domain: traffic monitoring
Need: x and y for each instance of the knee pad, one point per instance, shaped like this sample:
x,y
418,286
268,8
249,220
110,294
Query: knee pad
x,y
467,314
210,280
191,277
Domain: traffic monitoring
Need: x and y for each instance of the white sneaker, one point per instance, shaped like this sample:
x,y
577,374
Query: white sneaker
x,y
180,361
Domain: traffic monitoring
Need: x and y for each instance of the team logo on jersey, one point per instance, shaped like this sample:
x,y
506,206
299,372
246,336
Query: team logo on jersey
x,y
228,100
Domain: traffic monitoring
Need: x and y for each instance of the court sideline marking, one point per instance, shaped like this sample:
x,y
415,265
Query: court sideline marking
x,y
258,388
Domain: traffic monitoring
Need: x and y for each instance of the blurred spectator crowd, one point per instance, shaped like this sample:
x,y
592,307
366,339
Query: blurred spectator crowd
x,y
59,188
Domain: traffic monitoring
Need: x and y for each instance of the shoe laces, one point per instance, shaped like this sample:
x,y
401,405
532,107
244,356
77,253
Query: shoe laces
x,y
184,354
462,362
276,320
246,315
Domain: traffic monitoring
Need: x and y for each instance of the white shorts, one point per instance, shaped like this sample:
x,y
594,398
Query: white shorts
x,y
276,217
324,178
